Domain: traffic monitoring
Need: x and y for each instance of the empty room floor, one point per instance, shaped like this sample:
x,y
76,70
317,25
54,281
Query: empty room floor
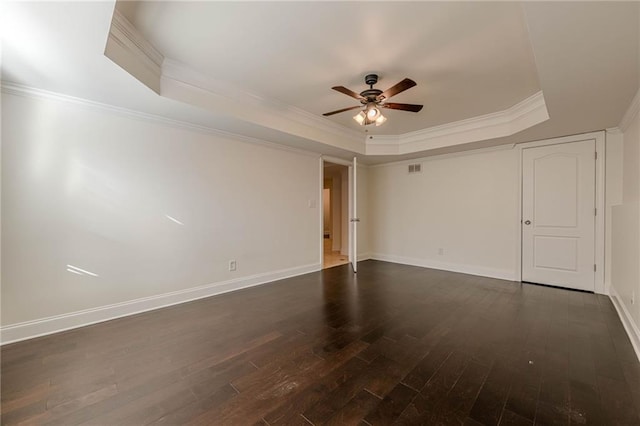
x,y
393,343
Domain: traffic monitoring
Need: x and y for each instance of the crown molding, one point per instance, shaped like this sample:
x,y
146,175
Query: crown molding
x,y
172,79
632,111
131,51
521,116
221,96
124,29
177,71
35,93
447,155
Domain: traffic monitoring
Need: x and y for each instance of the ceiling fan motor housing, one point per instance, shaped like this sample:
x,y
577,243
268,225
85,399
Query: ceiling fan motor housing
x,y
371,79
371,94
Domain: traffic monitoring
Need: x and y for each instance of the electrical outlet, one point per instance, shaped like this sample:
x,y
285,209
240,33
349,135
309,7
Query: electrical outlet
x,y
232,265
441,251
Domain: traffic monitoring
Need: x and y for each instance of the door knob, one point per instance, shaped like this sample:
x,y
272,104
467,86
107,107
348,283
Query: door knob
x,y
527,222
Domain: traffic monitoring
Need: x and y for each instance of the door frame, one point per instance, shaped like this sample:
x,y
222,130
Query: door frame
x,y
349,165
599,138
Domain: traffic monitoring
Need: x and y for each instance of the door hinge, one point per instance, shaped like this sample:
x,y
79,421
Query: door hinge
x,y
596,156
595,211
594,267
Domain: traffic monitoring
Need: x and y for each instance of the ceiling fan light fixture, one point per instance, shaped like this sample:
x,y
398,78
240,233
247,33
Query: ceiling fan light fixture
x,y
372,112
370,116
372,100
380,120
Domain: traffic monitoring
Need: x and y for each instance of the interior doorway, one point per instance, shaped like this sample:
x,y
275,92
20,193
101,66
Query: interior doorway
x,y
335,215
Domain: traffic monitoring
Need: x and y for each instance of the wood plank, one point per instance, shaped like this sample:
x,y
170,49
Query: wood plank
x,y
354,411
390,408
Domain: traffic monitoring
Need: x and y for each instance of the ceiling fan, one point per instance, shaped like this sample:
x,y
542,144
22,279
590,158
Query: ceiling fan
x,y
374,99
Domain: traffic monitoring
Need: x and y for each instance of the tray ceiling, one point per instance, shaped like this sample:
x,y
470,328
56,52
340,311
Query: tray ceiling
x,y
488,73
469,59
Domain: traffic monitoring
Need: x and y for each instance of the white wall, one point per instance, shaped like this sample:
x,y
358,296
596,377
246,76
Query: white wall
x,y
613,190
94,189
465,204
625,271
625,239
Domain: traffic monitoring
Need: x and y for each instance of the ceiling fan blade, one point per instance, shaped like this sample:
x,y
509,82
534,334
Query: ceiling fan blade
x,y
326,114
347,92
405,84
403,107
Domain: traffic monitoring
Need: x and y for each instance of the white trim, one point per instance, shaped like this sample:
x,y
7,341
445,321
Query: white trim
x,y
127,33
41,327
321,211
627,320
601,214
354,202
502,274
525,114
336,160
632,110
518,218
599,138
350,207
477,151
32,92
176,71
131,51
350,224
364,256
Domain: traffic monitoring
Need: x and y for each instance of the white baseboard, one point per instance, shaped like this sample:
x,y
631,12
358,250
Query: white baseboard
x,y
41,327
627,321
502,274
363,256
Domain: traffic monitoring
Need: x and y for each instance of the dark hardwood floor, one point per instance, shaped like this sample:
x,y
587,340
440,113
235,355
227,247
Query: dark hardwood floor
x,y
393,345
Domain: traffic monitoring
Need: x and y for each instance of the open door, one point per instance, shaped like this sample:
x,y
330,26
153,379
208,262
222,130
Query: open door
x,y
350,225
353,253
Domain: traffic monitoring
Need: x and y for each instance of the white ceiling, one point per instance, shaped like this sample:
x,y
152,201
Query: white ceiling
x,y
468,59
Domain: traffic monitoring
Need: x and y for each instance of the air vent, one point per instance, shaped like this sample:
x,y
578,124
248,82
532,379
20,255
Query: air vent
x,y
415,168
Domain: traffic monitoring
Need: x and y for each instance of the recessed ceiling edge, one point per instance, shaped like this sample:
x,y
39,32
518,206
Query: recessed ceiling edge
x,y
127,48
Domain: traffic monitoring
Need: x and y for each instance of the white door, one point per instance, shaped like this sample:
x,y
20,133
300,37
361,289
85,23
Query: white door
x,y
558,215
353,253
